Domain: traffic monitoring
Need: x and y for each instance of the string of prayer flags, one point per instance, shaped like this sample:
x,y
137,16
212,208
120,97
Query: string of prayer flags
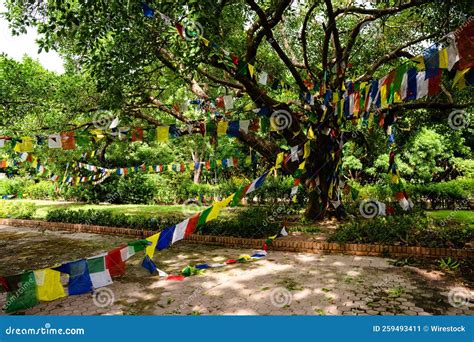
x,y
98,271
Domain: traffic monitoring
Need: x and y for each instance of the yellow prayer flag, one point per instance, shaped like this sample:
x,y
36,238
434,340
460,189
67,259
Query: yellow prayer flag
x,y
460,76
443,59
249,106
302,165
251,70
150,250
307,150
162,133
222,127
383,96
204,40
279,160
335,97
420,62
310,133
216,208
48,285
26,145
219,162
98,134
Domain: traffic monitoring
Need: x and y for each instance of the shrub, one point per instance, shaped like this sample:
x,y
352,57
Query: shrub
x,y
14,186
411,228
108,218
17,210
251,223
40,190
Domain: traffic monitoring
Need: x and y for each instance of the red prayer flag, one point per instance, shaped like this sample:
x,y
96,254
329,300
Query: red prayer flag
x,y
434,84
137,134
231,261
179,27
67,141
176,277
114,262
192,224
465,44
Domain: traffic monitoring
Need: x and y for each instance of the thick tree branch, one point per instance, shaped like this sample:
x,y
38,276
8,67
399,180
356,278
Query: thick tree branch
x,y
220,81
304,41
276,46
254,42
337,43
379,11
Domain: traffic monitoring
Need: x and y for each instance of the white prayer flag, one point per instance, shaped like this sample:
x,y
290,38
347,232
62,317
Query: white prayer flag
x,y
54,141
263,79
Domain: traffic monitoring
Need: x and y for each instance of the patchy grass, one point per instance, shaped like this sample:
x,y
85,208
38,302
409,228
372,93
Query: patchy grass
x,y
42,208
455,216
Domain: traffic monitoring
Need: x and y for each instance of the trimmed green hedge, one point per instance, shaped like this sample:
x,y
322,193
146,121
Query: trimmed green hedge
x,y
251,223
409,229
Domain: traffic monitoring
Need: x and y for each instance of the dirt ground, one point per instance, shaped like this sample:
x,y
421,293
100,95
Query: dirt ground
x,y
283,283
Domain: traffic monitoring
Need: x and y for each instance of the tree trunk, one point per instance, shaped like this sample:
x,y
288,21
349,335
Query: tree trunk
x,y
322,176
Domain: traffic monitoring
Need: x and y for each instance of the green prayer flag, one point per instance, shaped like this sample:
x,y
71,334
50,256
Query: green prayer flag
x,y
203,216
139,245
96,264
397,82
23,295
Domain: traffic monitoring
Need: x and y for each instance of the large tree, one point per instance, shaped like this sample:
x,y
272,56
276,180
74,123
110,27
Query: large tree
x,y
143,65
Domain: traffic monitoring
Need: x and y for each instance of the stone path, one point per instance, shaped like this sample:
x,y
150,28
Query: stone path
x,y
284,283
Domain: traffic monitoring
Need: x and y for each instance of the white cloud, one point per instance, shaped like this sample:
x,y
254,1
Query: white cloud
x,y
17,46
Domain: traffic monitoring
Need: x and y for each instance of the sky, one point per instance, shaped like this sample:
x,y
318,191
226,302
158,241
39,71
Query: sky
x,y
17,46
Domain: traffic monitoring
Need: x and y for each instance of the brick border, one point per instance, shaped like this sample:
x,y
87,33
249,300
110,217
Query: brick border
x,y
283,244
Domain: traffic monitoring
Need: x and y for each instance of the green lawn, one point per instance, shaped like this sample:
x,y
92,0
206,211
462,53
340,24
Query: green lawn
x,y
42,207
459,216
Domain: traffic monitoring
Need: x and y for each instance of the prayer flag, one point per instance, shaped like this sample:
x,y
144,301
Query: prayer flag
x,y
79,278
68,141
114,262
54,141
162,133
22,292
100,275
165,238
180,231
222,127
48,285
150,249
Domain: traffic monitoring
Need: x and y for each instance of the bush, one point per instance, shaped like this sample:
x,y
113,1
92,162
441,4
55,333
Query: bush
x,y
14,186
108,218
251,223
130,189
411,229
17,210
40,190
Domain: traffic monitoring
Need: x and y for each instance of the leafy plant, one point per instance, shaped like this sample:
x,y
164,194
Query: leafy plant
x,y
448,264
